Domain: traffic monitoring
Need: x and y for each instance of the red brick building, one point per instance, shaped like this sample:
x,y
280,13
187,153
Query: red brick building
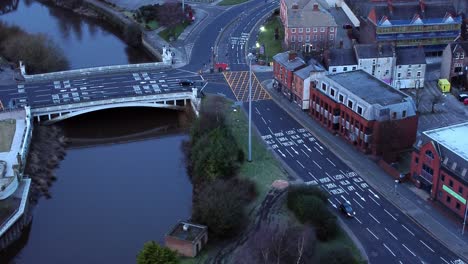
x,y
368,113
439,165
187,239
301,84
307,26
284,66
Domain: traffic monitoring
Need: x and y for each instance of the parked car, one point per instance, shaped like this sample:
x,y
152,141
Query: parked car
x,y
186,83
347,209
462,97
465,102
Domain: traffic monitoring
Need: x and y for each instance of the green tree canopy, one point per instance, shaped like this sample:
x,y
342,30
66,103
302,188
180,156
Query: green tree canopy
x,y
153,253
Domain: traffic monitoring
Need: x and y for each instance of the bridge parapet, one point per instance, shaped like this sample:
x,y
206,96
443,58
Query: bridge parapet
x,y
93,70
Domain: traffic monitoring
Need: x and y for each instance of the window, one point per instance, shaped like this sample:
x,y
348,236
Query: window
x,y
315,29
399,66
293,30
448,199
307,30
350,104
301,30
457,206
450,183
345,68
354,68
428,169
332,92
408,74
324,86
334,69
299,39
418,74
332,29
307,38
399,75
359,110
387,72
416,160
394,115
442,178
341,98
322,29
460,190
315,37
293,39
331,36
429,154
403,114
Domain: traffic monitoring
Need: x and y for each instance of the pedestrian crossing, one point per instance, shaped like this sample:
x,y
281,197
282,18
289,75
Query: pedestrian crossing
x,y
239,83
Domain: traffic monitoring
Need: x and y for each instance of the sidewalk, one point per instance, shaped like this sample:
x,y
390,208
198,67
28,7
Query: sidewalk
x,y
426,214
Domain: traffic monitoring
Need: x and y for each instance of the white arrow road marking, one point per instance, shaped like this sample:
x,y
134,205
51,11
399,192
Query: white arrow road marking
x,y
409,250
389,250
375,195
332,203
344,198
297,153
362,198
391,233
407,229
281,153
319,145
305,146
318,151
427,246
372,233
300,164
373,200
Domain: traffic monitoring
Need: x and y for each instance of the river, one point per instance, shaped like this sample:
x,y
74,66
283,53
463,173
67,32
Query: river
x,y
123,180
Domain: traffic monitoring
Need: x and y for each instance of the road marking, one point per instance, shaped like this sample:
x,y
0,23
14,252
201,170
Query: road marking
x,y
270,130
374,218
317,164
372,233
300,164
427,246
375,195
389,250
362,198
305,153
331,162
313,176
407,229
289,152
409,250
329,176
391,233
358,203
281,153
295,151
373,200
332,203
390,215
318,151
400,262
358,220
264,120
444,260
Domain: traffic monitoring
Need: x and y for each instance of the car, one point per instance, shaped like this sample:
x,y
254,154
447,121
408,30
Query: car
x,y
347,209
347,26
186,83
462,97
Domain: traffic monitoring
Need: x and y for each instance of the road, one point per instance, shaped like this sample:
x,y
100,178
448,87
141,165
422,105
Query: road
x,y
96,87
388,235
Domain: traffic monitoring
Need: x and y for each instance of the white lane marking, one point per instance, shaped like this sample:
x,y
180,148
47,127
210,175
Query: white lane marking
x,y
264,120
389,250
444,260
281,153
318,145
427,246
270,130
332,203
256,110
391,234
374,218
305,153
362,198
331,162
300,164
409,250
400,262
373,200
318,151
312,176
372,233
375,195
317,164
390,214
289,152
407,229
358,220
358,203
329,176
295,151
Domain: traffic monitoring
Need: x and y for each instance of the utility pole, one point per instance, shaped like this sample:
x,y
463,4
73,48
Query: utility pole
x,y
464,219
250,57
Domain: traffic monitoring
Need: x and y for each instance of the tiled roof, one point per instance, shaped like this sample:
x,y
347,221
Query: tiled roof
x,y
368,51
406,11
305,72
283,59
305,16
342,57
410,56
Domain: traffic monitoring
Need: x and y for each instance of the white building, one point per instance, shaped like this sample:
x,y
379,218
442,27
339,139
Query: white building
x,y
377,60
410,69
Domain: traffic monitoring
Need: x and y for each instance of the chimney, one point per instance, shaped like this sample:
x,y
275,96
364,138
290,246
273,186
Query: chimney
x,y
422,6
390,6
315,7
291,55
379,49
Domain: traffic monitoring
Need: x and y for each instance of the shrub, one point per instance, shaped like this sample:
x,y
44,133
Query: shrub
x,y
153,253
299,190
132,34
326,228
337,255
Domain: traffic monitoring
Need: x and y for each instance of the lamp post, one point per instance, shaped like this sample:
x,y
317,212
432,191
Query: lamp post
x,y
396,185
250,57
464,219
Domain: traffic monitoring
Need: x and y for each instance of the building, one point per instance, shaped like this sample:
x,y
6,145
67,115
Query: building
x,y
377,60
187,238
340,60
307,26
454,66
368,113
439,165
431,24
284,65
410,68
301,83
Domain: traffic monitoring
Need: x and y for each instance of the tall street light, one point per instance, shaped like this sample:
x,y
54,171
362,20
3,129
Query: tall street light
x,y
250,57
464,219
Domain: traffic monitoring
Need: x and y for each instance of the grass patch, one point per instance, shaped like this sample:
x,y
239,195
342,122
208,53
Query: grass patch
x,y
231,2
174,32
150,25
341,240
7,132
267,37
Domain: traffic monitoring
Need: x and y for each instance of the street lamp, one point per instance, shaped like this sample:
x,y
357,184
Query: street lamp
x,y
464,219
396,185
250,57
262,28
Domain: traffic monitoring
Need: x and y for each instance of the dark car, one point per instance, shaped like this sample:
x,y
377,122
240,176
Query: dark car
x,y
186,83
346,209
462,97
347,26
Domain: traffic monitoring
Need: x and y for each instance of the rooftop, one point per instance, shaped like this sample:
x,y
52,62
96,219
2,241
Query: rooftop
x,y
367,51
452,137
410,56
405,12
342,57
305,72
368,88
192,233
305,16
283,59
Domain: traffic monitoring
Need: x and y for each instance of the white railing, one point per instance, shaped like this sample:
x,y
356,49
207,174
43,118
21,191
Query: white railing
x,y
19,212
